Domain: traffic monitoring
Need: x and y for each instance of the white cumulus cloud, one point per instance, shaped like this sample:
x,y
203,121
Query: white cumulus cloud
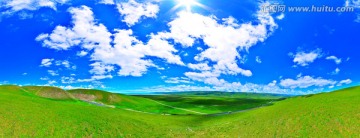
x,y
305,82
178,88
125,50
281,16
85,32
305,58
46,62
133,11
233,36
53,73
336,71
356,5
18,5
107,2
222,48
342,82
67,80
258,60
335,59
82,53
177,80
200,66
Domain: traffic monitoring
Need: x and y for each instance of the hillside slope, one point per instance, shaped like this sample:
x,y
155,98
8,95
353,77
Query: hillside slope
x,y
48,92
123,101
334,114
209,104
103,98
23,114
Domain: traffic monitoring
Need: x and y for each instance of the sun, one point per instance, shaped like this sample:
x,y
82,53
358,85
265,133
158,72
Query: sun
x,y
188,4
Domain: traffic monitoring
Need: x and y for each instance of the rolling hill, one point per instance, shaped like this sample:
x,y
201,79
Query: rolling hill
x,y
210,104
103,98
48,92
26,114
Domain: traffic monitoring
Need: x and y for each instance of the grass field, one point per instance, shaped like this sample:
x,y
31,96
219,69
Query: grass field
x,y
23,113
211,104
177,104
103,98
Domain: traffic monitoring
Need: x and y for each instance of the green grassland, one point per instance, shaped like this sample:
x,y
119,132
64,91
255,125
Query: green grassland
x,y
26,112
103,98
335,114
211,104
176,104
226,94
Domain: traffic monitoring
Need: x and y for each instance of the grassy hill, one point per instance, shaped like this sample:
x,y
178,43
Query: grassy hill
x,y
334,114
103,98
124,101
26,114
180,103
226,94
23,114
48,92
211,104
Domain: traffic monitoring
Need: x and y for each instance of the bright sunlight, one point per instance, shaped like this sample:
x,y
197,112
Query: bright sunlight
x,y
188,4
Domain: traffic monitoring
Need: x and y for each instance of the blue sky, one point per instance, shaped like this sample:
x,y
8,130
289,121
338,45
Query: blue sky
x,y
134,46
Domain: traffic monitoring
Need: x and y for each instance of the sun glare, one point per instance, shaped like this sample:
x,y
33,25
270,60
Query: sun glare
x,y
188,4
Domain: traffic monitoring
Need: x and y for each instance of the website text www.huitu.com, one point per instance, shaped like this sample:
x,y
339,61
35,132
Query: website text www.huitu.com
x,y
313,8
